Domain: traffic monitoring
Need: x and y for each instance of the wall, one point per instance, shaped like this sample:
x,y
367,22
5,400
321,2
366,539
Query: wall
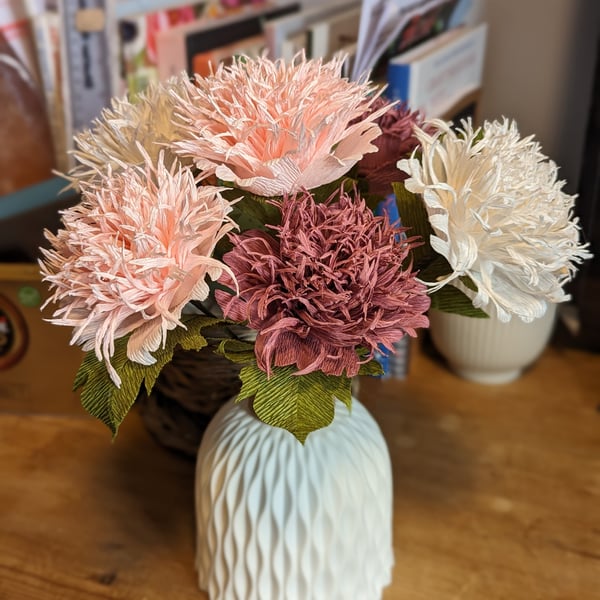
x,y
538,70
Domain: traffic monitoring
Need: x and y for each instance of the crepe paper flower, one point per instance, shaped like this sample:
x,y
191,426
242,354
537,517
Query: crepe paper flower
x,y
397,140
132,254
272,128
118,136
330,282
498,214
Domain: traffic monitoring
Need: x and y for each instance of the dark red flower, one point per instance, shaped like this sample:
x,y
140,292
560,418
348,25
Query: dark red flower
x,y
330,281
396,141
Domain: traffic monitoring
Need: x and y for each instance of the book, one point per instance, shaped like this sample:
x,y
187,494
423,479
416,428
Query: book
x,y
293,44
177,47
46,27
138,46
279,31
435,75
205,63
15,26
328,36
349,52
388,27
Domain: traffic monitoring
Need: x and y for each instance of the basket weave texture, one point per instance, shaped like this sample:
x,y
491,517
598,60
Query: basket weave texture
x,y
186,395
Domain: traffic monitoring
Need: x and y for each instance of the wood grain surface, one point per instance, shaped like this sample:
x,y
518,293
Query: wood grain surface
x,y
497,493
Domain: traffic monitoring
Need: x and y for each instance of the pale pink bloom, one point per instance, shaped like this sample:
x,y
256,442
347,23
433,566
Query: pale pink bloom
x,y
131,255
330,282
271,127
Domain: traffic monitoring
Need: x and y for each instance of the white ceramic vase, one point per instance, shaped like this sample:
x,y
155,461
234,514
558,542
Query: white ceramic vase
x,y
487,350
278,520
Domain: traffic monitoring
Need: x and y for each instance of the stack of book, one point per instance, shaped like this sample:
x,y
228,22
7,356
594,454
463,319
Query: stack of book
x,y
80,54
438,76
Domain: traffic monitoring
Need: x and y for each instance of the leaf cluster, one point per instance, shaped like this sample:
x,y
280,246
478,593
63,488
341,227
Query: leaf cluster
x,y
299,403
111,404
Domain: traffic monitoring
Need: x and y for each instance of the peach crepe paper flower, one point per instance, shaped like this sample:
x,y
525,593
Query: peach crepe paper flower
x,y
131,255
330,282
272,128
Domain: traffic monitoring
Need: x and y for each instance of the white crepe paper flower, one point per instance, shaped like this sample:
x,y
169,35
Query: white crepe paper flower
x,y
129,129
499,215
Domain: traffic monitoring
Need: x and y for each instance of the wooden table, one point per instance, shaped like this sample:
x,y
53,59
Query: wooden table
x,y
497,493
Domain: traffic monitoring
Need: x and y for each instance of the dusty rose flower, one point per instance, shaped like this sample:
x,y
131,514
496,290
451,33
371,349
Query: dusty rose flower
x,y
397,140
132,253
328,283
272,128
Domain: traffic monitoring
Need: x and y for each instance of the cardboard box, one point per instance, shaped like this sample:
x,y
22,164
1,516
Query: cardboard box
x,y
37,363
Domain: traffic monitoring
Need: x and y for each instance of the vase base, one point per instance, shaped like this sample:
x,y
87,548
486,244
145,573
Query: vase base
x,y
487,377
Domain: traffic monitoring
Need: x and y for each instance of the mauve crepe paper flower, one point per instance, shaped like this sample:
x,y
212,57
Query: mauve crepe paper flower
x,y
272,128
328,283
131,255
397,140
499,215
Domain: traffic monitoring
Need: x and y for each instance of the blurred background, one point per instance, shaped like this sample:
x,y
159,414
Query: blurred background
x,y
540,67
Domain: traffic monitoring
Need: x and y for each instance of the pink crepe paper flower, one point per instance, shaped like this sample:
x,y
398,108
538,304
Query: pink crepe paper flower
x,y
329,283
132,254
397,140
271,127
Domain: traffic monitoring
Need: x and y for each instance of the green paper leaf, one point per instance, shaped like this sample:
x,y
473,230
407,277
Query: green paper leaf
x,y
468,283
99,395
237,351
372,200
413,214
372,368
104,400
299,403
253,212
451,299
437,269
249,212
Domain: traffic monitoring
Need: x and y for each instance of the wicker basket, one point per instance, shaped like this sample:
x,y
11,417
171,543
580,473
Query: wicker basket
x,y
186,395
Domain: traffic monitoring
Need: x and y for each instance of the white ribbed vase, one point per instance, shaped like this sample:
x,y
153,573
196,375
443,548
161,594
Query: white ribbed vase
x,y
487,350
277,520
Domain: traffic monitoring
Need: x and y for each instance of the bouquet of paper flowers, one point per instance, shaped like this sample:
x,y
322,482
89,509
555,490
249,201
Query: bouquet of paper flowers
x,y
250,198
237,199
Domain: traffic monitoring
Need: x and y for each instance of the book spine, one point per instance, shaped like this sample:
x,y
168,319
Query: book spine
x,y
46,28
399,81
318,36
171,53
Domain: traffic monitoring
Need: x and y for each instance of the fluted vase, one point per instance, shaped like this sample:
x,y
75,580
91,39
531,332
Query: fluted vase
x,y
278,520
488,350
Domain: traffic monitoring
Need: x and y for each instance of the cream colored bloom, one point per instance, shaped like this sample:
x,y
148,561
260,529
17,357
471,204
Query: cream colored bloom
x,y
499,215
271,127
131,255
118,134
